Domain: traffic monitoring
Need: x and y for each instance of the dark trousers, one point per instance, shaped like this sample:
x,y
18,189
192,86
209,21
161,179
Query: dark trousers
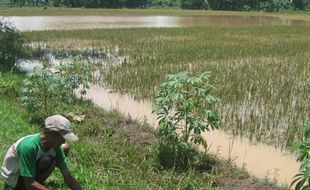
x,y
42,165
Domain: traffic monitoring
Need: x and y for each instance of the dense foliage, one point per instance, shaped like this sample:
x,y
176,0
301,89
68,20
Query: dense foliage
x,y
184,106
45,91
264,5
11,46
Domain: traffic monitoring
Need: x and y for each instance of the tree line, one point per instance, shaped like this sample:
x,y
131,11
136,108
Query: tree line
x,y
235,5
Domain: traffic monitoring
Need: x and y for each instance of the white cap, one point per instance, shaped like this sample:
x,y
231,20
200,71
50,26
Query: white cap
x,y
61,125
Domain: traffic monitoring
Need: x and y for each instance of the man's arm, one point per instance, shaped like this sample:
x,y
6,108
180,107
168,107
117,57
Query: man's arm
x,y
31,184
70,180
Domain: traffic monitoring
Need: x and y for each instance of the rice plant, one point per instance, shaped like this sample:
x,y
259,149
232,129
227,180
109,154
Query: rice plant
x,y
262,72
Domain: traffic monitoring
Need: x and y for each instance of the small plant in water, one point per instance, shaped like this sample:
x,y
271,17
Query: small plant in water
x,y
302,179
184,106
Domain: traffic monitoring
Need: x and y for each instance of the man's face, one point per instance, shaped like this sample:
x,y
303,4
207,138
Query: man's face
x,y
55,139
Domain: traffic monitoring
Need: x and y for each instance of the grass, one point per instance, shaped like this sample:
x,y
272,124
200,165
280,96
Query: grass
x,y
111,152
52,11
261,73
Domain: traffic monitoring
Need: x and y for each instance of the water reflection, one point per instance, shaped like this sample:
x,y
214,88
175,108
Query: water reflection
x,y
34,23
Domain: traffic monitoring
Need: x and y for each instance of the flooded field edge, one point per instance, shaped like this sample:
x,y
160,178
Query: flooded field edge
x,y
263,161
37,23
260,160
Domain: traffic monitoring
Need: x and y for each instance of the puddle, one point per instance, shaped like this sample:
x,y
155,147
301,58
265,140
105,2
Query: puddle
x,y
259,159
36,23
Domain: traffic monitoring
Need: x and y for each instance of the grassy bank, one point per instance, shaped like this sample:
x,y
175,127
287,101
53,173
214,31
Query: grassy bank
x,y
114,152
261,73
52,11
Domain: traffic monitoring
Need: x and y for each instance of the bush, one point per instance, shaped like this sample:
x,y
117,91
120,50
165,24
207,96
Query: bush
x,y
193,4
11,46
45,92
184,106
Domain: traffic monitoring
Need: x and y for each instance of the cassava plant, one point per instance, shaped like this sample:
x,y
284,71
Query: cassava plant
x,y
185,109
76,74
46,90
302,179
38,88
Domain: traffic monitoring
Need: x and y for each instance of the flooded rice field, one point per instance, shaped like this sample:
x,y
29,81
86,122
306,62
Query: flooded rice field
x,y
36,23
263,161
266,162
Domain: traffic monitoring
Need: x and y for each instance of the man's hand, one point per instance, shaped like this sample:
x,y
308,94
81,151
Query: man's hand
x,y
70,180
31,184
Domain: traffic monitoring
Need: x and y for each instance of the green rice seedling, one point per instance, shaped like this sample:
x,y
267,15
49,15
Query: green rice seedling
x,y
261,72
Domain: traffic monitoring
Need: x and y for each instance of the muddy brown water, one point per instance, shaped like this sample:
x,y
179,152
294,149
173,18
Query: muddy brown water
x,y
259,159
263,161
36,23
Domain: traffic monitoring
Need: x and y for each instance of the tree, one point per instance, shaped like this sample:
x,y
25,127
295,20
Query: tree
x,y
136,3
299,4
192,4
57,3
91,3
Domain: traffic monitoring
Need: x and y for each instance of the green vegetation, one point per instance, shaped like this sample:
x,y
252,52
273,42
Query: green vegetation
x,y
35,11
184,106
261,72
114,152
246,5
45,90
302,179
11,46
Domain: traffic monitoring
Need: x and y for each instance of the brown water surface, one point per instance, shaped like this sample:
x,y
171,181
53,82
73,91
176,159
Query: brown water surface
x,y
260,160
35,23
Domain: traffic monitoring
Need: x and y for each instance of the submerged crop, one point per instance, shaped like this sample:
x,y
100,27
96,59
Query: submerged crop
x,y
262,73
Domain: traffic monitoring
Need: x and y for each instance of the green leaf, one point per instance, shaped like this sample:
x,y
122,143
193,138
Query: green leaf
x,y
307,173
300,184
185,103
305,164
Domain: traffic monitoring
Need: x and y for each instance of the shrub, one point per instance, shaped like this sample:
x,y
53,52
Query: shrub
x,y
11,46
184,106
46,91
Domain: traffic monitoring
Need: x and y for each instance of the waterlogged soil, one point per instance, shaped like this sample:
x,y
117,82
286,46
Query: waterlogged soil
x,y
141,135
227,171
138,135
38,23
101,139
244,184
227,176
